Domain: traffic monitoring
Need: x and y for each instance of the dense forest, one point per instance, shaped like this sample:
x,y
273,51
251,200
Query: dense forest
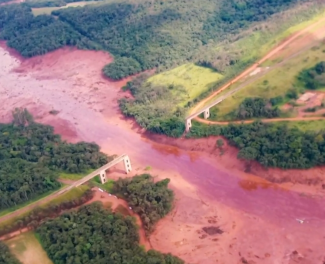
x,y
94,235
31,157
150,200
255,107
314,77
272,145
142,35
6,256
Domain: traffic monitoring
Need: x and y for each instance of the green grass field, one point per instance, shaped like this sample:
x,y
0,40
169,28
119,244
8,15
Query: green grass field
x,y
74,176
276,82
107,186
27,249
48,10
193,78
314,125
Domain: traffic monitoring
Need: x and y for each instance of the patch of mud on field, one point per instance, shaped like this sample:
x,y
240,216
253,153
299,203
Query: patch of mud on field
x,y
258,224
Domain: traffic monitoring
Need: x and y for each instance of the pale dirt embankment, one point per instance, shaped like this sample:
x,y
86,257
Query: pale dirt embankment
x,y
259,223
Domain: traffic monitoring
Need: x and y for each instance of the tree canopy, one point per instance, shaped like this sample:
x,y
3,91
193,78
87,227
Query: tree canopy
x,y
255,107
6,257
152,201
272,145
314,77
31,157
94,235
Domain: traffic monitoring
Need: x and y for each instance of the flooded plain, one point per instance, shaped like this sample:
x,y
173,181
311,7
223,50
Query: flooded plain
x,y
261,222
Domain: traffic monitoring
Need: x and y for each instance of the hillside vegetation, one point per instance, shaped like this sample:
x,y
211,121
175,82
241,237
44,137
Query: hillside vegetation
x,y
95,235
142,35
31,157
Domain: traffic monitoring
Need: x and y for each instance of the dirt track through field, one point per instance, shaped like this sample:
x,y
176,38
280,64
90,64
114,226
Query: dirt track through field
x,y
254,66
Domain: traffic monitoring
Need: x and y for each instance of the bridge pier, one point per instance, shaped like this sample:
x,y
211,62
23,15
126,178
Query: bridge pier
x,y
102,176
207,113
188,124
127,164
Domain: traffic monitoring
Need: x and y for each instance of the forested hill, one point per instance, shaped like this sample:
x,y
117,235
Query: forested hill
x,y
140,34
31,157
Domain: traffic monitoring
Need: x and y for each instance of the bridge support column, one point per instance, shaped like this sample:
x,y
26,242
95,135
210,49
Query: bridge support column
x,y
188,125
206,113
102,176
127,164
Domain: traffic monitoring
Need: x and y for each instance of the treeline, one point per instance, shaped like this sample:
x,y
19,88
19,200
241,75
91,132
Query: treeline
x,y
150,200
95,235
142,35
31,157
272,145
6,257
254,108
314,77
34,218
155,107
38,35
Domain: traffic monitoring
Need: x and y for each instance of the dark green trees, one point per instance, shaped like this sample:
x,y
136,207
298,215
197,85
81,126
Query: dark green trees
x,y
256,107
5,255
94,235
313,78
31,157
152,201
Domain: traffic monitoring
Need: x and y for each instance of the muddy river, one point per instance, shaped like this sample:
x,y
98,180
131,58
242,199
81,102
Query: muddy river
x,y
259,219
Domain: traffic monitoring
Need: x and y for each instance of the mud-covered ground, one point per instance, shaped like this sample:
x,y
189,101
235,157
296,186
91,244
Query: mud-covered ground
x,y
258,219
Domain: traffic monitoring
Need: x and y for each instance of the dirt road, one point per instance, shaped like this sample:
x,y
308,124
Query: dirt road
x,y
266,120
255,65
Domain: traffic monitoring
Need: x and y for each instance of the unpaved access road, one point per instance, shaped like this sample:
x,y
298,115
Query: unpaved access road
x,y
245,73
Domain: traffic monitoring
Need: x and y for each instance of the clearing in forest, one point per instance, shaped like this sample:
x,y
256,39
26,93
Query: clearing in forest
x,y
28,250
190,77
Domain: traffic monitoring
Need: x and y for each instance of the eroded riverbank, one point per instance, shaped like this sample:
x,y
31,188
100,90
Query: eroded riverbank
x,y
260,224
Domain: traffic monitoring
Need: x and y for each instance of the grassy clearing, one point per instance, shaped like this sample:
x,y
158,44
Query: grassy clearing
x,y
195,79
49,10
74,176
276,82
28,250
107,186
314,125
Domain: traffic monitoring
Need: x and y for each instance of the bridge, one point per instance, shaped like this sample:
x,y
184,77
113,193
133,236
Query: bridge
x,y
102,172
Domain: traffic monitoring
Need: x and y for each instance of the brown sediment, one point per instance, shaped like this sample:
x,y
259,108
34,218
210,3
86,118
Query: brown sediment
x,y
258,218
